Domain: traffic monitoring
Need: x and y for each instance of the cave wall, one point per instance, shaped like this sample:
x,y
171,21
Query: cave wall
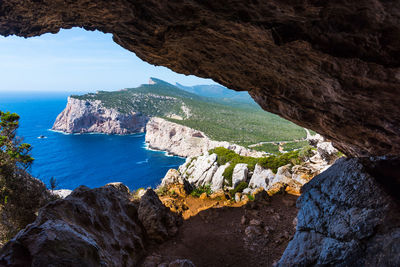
x,y
331,66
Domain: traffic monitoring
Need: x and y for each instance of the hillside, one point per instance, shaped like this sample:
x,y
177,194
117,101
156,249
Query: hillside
x,y
241,123
217,91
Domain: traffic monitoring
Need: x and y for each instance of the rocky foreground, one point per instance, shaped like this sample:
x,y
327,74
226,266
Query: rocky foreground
x,y
109,226
92,227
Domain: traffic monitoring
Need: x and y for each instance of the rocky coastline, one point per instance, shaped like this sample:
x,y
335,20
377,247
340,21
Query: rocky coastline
x,y
85,116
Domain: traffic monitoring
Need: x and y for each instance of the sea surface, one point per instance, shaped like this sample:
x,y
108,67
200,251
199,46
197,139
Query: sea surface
x,y
88,159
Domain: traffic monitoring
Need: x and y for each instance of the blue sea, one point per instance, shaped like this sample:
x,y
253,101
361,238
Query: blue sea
x,y
89,159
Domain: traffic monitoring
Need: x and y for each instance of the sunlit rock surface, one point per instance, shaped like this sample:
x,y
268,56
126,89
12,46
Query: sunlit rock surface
x,y
346,218
83,116
186,142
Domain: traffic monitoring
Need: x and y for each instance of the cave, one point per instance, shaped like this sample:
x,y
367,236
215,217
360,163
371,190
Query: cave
x,y
329,66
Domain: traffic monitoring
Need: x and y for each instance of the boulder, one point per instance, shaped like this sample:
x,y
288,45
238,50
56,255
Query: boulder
x,y
238,197
200,170
239,174
61,193
261,177
247,191
158,221
346,218
172,177
283,175
218,178
90,227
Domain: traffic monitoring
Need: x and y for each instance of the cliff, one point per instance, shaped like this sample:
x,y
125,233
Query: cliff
x,y
92,116
85,116
186,142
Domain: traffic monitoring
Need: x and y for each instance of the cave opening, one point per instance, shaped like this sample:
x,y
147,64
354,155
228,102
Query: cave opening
x,y
332,74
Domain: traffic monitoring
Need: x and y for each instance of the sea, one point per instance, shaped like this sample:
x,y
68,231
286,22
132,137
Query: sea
x,y
92,160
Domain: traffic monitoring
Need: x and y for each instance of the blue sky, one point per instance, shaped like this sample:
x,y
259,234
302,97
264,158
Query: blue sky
x,y
77,61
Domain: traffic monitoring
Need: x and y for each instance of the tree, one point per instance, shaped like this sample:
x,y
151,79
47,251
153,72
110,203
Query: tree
x,y
13,151
53,183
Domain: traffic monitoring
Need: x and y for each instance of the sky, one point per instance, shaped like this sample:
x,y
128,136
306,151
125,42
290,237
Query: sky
x,y
76,60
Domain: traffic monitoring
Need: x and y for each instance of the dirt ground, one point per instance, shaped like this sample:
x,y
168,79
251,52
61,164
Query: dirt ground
x,y
255,234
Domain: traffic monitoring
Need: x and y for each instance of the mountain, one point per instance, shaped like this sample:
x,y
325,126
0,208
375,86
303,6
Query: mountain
x,y
218,91
129,111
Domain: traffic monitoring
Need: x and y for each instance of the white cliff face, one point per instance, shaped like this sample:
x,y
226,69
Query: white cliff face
x,y
82,116
186,142
90,116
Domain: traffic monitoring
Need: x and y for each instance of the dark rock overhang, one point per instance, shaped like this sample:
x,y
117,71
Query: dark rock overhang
x,y
331,66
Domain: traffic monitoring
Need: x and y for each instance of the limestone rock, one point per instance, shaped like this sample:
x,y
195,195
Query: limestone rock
x,y
261,177
346,218
172,177
62,193
283,175
185,141
200,170
90,227
158,221
238,197
239,174
83,116
218,178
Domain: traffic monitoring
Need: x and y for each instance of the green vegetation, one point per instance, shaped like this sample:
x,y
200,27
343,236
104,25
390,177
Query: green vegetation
x,y
160,190
268,147
294,145
13,151
238,189
272,162
221,120
200,190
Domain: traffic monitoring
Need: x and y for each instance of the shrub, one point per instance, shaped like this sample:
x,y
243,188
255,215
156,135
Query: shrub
x,y
306,152
200,190
272,162
161,190
238,189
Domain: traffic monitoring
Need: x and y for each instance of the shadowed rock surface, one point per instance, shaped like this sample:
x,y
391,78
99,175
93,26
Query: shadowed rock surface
x,y
331,66
91,227
346,219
